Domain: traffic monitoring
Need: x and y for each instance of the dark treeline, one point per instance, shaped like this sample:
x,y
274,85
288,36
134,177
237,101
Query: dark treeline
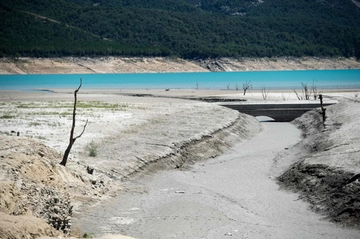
x,y
183,28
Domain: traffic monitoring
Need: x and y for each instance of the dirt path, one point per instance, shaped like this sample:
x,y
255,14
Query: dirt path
x,y
232,195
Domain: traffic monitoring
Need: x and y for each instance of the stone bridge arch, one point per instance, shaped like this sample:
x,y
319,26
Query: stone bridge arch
x,y
280,112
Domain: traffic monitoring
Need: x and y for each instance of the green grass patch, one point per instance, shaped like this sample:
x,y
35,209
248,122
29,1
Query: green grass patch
x,y
92,148
45,104
88,235
7,116
99,104
67,105
34,124
54,124
131,131
65,113
28,106
41,137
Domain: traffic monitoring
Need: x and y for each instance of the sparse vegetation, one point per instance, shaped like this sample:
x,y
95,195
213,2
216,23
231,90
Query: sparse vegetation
x,y
264,92
92,148
7,116
41,137
100,104
315,91
88,235
54,124
334,111
44,104
131,130
32,124
65,105
65,114
305,93
284,98
44,113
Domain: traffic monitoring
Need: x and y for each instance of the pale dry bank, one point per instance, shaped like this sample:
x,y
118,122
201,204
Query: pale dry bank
x,y
70,65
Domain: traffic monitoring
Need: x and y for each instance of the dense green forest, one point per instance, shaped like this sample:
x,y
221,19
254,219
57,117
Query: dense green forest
x,y
179,28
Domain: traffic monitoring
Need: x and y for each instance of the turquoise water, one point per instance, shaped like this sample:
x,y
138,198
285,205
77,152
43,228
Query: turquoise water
x,y
323,79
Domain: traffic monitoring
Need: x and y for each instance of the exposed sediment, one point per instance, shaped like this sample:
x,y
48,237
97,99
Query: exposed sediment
x,y
143,136
203,147
332,192
33,185
87,65
327,174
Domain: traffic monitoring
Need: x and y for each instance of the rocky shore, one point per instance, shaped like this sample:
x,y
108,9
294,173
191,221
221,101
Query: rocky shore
x,y
70,65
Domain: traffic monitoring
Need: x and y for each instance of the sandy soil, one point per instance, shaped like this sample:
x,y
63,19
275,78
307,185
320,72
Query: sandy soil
x,y
133,136
69,65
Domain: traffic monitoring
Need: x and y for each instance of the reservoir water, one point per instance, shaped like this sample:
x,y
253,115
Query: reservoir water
x,y
323,79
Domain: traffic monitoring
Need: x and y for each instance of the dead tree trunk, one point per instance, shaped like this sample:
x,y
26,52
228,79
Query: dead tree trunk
x,y
323,110
246,86
72,139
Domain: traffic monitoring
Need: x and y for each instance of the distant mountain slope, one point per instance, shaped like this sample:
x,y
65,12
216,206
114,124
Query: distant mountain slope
x,y
185,28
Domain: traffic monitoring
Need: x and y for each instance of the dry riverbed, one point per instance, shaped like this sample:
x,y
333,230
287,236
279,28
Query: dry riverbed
x,y
233,195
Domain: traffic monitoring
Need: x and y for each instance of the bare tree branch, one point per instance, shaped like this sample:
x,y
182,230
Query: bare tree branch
x,y
82,131
297,95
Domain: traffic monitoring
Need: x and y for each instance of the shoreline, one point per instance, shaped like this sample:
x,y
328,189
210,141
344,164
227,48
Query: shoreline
x,y
184,71
281,96
71,65
131,129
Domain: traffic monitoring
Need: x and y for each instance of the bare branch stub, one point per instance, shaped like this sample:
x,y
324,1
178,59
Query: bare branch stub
x,y
82,131
72,139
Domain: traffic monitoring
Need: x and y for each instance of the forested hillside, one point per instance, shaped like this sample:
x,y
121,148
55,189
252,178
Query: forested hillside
x,y
183,28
